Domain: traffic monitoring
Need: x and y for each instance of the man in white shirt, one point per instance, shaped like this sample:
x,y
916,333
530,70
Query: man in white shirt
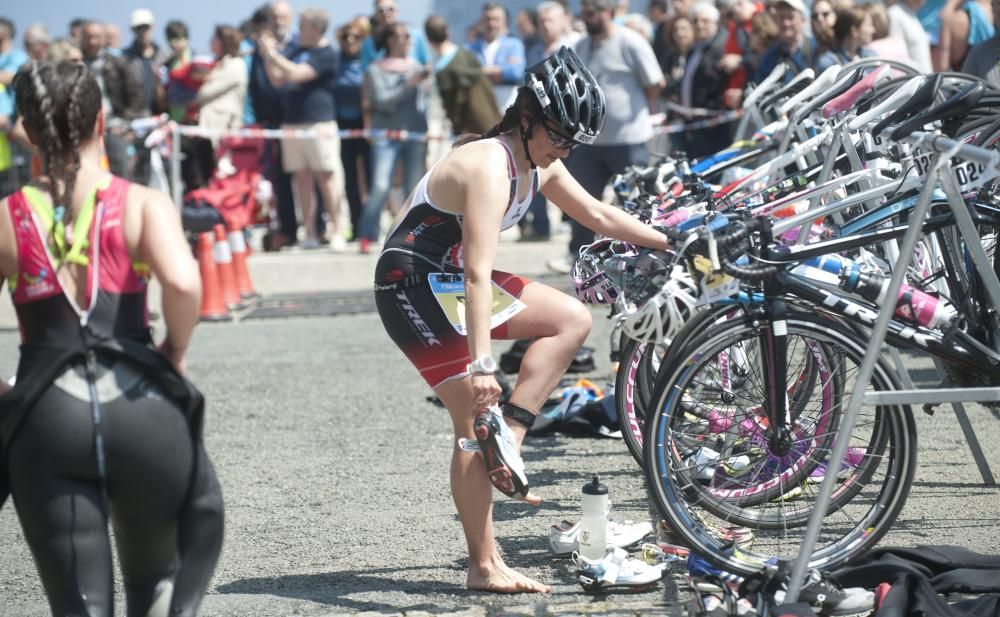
x,y
904,24
625,67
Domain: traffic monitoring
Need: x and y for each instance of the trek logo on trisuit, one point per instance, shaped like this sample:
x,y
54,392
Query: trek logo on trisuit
x,y
417,321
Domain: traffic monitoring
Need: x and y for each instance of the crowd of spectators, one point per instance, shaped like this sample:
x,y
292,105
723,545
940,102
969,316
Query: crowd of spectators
x,y
685,59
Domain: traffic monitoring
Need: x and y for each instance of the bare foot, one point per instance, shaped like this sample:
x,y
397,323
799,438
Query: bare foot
x,y
532,499
502,579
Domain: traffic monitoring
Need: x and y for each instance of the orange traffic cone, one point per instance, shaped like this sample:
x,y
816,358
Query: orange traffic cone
x,y
213,307
238,245
224,264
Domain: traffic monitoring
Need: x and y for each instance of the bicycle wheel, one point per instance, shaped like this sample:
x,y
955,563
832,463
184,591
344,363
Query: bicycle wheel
x,y
705,477
641,363
633,383
719,418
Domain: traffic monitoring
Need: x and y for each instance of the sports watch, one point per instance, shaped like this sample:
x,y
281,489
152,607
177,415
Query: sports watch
x,y
485,365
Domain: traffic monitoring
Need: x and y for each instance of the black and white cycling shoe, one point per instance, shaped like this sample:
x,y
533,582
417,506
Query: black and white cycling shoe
x,y
829,599
500,453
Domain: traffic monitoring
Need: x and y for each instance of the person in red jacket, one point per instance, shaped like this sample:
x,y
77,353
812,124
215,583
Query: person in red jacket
x,y
738,51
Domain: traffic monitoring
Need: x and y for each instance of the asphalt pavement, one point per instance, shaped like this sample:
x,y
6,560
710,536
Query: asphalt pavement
x,y
334,466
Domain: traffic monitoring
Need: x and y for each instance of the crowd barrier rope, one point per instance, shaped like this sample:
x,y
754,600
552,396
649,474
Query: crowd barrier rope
x,y
158,129
147,125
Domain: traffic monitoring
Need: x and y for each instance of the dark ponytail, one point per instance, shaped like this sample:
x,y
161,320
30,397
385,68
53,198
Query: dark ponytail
x,y
525,105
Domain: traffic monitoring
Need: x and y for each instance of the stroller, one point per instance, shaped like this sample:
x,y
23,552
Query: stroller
x,y
232,193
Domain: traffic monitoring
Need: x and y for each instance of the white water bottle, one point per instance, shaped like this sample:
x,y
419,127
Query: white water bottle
x,y
594,524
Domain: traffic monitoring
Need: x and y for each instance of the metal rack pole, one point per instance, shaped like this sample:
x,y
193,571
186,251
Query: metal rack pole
x,y
864,375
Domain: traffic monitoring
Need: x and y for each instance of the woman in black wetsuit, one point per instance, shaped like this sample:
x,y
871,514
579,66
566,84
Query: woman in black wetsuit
x,y
442,302
101,425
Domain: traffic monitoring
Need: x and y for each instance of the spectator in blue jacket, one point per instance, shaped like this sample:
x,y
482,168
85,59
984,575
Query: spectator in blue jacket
x,y
12,58
793,46
386,15
501,54
355,154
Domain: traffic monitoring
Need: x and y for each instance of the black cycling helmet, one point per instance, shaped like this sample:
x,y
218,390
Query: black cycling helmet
x,y
569,95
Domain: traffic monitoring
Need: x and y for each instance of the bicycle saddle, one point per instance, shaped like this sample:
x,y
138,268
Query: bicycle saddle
x,y
798,84
959,103
839,88
921,100
849,98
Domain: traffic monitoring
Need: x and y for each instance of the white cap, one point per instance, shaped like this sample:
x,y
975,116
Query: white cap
x,y
798,5
141,17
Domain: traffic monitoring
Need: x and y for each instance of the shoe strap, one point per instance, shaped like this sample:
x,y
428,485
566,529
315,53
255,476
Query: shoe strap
x,y
613,564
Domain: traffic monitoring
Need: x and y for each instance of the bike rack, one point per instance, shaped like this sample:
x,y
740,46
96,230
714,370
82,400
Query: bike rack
x,y
934,396
944,150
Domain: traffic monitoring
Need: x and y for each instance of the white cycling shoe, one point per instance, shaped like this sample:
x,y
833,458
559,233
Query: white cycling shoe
x,y
617,570
563,538
499,450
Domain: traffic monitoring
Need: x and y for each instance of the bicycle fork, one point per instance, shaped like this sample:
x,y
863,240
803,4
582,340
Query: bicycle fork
x,y
773,339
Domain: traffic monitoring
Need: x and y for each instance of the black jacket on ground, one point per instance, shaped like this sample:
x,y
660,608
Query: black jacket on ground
x,y
921,574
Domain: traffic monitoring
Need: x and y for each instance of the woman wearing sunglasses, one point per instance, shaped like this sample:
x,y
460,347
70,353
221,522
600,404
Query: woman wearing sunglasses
x,y
441,301
824,17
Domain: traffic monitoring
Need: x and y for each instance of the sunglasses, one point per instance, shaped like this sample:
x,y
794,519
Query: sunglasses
x,y
559,140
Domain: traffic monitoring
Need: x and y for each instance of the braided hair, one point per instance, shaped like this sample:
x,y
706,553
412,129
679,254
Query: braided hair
x,y
59,103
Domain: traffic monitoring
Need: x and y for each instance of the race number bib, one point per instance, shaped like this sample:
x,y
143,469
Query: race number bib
x,y
449,291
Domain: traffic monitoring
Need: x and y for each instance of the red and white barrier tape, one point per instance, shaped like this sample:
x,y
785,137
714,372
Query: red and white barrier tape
x,y
146,124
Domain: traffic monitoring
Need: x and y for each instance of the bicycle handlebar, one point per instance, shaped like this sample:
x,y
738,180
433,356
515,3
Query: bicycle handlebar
x,y
753,274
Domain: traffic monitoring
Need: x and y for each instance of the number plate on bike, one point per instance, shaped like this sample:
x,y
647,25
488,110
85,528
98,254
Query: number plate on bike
x,y
971,175
922,161
875,143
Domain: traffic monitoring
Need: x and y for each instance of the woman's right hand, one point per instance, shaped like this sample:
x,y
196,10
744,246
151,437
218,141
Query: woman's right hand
x,y
267,43
419,77
485,391
730,62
